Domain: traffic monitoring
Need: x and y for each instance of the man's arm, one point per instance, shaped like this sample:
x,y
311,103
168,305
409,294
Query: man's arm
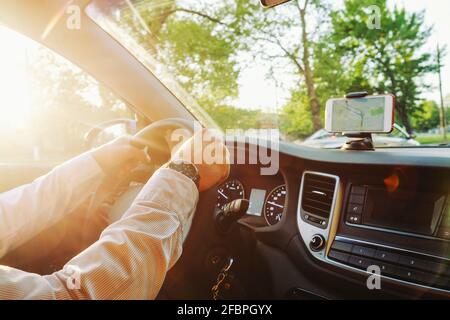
x,y
132,256
30,209
27,210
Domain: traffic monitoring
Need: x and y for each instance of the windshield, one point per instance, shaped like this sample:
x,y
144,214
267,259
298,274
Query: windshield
x,y
237,65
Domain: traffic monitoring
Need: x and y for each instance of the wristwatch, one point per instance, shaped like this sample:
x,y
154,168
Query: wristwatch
x,y
185,167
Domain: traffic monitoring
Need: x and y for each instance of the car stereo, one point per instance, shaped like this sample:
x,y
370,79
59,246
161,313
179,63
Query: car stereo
x,y
400,211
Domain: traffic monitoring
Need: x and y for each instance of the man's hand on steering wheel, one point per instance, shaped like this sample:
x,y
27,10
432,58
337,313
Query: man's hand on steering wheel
x,y
204,149
209,154
117,154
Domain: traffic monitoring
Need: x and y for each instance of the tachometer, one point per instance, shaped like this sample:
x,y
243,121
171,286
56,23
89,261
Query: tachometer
x,y
274,205
229,191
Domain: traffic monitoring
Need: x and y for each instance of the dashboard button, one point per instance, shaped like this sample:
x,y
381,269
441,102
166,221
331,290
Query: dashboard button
x,y
359,262
354,218
363,251
386,256
412,262
342,246
315,220
338,256
354,208
386,269
410,275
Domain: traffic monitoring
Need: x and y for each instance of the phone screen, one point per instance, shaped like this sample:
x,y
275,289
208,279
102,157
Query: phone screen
x,y
358,115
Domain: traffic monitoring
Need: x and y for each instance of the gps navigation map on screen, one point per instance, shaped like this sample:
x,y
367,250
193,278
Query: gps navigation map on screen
x,y
358,114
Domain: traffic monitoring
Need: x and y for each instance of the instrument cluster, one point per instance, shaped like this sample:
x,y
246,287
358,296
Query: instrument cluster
x,y
268,204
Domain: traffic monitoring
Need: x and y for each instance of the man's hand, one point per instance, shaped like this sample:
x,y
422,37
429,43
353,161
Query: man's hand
x,y
208,153
117,153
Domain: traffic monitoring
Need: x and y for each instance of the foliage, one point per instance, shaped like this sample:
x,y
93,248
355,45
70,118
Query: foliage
x,y
295,118
426,117
326,52
393,55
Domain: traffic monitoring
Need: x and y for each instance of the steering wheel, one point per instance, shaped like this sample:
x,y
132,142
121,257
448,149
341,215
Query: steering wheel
x,y
157,137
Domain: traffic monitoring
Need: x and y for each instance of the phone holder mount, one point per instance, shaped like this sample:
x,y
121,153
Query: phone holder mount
x,y
358,141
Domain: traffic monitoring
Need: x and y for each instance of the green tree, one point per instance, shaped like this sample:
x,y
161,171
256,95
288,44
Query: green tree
x,y
426,117
197,43
287,37
295,117
392,55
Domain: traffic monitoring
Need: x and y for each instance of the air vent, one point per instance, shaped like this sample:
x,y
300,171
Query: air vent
x,y
317,197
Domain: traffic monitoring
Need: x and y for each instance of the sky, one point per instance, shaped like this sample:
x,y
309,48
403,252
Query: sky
x,y
258,92
437,14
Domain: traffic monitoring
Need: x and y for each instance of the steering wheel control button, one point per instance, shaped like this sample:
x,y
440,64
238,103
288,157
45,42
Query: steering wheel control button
x,y
317,243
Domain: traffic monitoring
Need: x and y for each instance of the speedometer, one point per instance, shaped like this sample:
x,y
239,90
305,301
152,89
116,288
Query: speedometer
x,y
229,191
274,205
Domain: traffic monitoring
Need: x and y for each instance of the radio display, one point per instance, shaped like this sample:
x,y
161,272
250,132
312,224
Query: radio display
x,y
412,212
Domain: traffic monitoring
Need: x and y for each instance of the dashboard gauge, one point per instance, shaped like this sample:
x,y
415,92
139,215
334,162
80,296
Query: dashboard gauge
x,y
274,205
229,191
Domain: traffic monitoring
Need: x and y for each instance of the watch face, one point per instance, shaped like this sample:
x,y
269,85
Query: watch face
x,y
186,168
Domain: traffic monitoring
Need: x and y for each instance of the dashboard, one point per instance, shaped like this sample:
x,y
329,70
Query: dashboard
x,y
325,222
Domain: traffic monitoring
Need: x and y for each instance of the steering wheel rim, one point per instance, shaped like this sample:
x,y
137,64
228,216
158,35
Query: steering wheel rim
x,y
159,147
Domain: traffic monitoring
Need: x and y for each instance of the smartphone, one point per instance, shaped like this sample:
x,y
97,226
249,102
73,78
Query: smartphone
x,y
366,114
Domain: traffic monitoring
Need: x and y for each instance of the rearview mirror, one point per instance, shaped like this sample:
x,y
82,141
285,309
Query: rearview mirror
x,y
272,3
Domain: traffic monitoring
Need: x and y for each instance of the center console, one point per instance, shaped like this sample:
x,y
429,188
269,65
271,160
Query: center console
x,y
357,223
